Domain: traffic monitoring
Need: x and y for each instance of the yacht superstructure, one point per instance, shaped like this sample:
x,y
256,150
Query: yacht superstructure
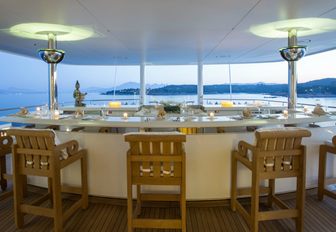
x,y
148,32
130,32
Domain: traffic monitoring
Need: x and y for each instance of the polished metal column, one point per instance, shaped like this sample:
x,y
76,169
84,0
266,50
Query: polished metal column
x,y
53,92
292,53
142,84
292,83
292,74
230,82
200,83
52,56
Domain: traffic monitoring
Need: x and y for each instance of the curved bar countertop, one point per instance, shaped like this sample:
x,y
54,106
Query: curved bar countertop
x,y
208,155
169,121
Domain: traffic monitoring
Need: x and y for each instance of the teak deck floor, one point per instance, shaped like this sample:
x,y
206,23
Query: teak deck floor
x,y
106,214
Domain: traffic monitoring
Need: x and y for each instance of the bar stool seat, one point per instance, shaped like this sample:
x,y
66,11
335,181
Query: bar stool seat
x,y
278,153
325,149
35,154
155,159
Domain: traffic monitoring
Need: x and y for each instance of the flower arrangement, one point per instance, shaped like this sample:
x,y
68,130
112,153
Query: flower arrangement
x,y
171,107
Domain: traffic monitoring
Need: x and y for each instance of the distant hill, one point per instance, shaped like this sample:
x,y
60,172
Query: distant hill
x,y
322,87
322,82
127,85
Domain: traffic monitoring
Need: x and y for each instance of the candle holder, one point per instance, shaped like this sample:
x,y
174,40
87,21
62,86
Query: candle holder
x,y
103,113
38,111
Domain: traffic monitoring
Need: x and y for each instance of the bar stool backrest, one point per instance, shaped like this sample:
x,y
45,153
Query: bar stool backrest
x,y
34,152
280,149
280,138
155,157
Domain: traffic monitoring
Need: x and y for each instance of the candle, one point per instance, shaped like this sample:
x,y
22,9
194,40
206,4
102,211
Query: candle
x,y
125,115
212,114
305,109
258,104
114,104
226,104
38,111
56,114
285,113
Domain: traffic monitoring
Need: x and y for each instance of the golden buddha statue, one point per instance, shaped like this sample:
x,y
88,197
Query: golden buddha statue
x,y
78,95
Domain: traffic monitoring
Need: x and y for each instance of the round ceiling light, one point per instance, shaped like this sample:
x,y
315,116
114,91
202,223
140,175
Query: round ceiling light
x,y
304,26
41,30
293,53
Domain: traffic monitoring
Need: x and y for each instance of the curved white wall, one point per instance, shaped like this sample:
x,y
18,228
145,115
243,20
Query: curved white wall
x,y
208,163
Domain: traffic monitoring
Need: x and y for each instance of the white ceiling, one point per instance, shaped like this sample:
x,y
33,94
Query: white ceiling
x,y
164,31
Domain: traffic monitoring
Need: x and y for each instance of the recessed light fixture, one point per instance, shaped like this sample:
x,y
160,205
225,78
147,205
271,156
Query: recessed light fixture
x,y
41,30
304,27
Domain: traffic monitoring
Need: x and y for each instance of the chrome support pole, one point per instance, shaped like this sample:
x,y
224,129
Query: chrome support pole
x,y
53,93
292,74
230,82
292,83
142,84
200,83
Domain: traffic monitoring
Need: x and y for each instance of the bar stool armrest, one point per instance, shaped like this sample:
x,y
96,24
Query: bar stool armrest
x,y
6,143
74,157
243,148
71,147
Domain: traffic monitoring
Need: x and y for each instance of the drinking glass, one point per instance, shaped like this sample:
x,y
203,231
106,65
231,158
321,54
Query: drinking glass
x,y
44,110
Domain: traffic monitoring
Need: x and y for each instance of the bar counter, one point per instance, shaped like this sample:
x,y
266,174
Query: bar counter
x,y
208,155
172,121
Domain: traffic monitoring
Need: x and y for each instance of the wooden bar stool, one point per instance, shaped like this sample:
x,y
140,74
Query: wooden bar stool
x,y
322,181
155,159
278,153
35,154
5,148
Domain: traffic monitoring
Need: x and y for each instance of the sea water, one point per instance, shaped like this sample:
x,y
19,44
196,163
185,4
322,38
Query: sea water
x,y
17,100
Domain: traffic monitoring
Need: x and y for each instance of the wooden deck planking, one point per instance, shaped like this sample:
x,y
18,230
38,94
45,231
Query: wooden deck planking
x,y
110,215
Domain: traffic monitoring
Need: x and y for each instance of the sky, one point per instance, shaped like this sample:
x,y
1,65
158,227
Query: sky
x,y
30,73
